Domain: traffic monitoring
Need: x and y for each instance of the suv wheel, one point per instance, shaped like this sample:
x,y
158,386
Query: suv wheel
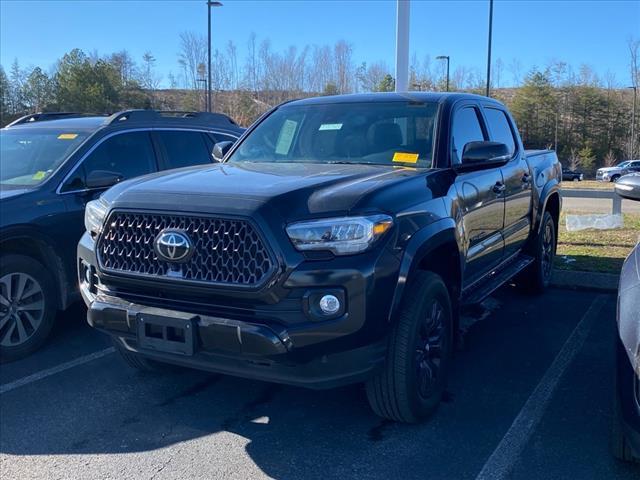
x,y
411,384
27,306
615,178
538,275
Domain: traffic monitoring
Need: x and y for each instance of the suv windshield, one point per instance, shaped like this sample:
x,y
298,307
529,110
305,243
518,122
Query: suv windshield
x,y
28,156
385,133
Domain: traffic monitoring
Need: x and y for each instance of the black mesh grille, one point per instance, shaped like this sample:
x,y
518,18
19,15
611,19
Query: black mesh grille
x,y
226,251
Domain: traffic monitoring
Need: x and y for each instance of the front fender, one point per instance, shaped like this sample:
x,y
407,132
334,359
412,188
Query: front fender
x,y
423,242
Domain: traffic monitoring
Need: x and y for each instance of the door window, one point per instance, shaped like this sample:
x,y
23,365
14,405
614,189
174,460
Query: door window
x,y
184,148
127,154
466,128
500,128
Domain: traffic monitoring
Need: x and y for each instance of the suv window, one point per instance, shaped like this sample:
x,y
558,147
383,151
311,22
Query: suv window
x,y
500,128
466,128
129,154
183,148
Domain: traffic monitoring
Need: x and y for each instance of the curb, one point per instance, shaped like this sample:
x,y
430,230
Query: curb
x,y
591,281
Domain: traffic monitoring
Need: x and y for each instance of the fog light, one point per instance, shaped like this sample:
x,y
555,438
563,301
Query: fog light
x,y
329,304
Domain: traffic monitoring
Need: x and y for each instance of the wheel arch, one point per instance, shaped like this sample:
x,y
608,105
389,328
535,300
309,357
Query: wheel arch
x,y
35,244
435,248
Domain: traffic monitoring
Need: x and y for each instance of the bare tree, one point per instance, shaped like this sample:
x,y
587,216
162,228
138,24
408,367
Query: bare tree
x,y
343,59
193,52
515,67
610,159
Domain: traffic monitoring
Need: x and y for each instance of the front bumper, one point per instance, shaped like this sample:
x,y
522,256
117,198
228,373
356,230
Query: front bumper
x,y
280,340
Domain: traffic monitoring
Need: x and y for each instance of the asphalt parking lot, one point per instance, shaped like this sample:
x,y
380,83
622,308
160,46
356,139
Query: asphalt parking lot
x,y
530,398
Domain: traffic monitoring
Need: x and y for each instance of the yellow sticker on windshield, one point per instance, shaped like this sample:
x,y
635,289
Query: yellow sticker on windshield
x,y
402,157
39,175
67,136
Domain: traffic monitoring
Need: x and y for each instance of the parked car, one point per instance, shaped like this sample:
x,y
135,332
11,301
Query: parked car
x,y
51,166
571,175
363,225
626,425
629,186
612,174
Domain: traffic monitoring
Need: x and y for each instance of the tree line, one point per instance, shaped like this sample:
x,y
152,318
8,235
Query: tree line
x,y
586,118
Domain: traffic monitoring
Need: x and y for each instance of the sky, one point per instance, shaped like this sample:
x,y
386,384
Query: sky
x,y
37,33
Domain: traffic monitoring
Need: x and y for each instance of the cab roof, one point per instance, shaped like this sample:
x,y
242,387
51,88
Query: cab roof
x,y
379,97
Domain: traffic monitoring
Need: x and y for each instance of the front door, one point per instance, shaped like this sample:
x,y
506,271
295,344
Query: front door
x,y
480,196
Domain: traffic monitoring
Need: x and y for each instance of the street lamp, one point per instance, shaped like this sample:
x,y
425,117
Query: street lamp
x,y
489,47
445,57
209,5
633,123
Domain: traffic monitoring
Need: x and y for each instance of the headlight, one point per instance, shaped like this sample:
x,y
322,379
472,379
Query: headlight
x,y
94,215
342,236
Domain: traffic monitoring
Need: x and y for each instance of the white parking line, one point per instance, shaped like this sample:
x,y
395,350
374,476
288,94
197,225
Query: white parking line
x,y
7,387
504,457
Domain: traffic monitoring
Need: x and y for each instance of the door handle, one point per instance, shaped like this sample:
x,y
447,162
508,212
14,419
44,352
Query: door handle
x,y
526,178
499,187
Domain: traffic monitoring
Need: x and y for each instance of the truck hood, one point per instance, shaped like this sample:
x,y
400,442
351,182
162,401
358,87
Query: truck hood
x,y
297,190
6,193
609,169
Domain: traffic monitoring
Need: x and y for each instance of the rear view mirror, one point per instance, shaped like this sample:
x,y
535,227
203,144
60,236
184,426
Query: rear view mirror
x,y
102,179
220,149
481,155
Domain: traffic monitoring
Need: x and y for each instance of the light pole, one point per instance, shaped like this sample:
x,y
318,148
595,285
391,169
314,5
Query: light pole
x,y
402,45
633,123
489,47
209,5
445,57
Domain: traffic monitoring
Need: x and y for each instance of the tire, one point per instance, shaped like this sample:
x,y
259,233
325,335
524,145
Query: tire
x,y
576,179
537,276
615,178
28,306
138,362
403,391
619,445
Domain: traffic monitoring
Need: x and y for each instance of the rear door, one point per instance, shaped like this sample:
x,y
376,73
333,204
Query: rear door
x,y
482,207
516,178
183,148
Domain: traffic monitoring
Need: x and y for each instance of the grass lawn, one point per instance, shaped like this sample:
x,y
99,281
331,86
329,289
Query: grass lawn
x,y
588,184
597,250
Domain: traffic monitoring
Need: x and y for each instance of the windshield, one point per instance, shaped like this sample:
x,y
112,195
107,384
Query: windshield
x,y
624,164
390,133
29,156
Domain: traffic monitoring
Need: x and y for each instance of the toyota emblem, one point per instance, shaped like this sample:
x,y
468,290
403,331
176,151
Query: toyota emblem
x,y
173,246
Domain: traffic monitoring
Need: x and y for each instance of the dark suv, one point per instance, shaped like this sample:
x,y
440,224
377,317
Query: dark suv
x,y
51,166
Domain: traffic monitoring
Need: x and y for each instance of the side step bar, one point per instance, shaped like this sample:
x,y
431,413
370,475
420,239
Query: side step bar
x,y
477,292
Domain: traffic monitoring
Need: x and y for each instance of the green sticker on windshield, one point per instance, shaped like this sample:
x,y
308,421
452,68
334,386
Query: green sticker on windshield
x,y
285,138
39,175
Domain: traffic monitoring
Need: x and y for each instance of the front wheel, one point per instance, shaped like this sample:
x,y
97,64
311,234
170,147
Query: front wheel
x,y
615,178
413,380
27,306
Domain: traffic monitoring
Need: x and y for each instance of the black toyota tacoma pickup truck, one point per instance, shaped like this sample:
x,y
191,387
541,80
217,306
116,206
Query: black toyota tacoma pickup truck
x,y
336,243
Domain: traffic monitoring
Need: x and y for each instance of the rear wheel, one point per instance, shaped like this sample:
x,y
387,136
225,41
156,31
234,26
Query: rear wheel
x,y
576,179
27,306
615,178
413,380
538,275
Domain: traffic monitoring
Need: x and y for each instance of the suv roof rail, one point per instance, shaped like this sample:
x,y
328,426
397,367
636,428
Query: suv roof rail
x,y
156,115
43,116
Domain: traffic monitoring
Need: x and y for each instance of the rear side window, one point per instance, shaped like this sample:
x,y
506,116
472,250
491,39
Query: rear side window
x,y
183,149
500,128
466,128
128,154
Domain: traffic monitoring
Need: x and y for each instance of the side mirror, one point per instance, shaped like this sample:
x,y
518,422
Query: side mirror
x,y
481,155
102,179
628,187
220,149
